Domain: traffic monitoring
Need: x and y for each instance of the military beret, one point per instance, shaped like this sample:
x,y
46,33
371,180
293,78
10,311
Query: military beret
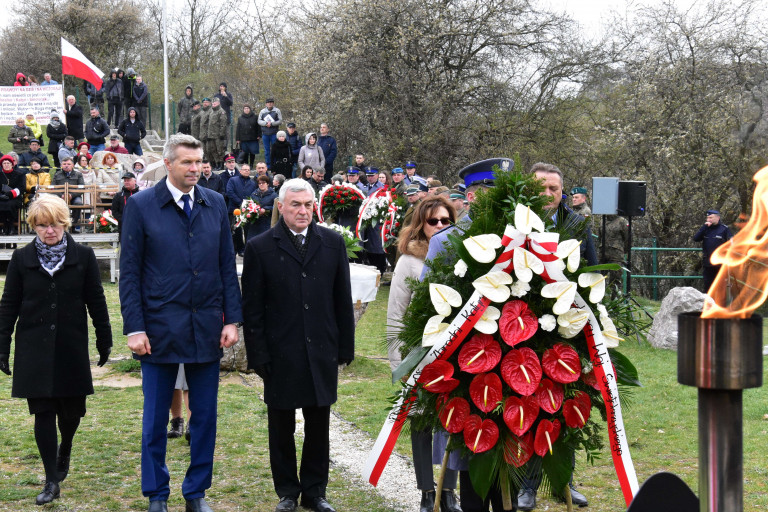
x,y
398,170
579,190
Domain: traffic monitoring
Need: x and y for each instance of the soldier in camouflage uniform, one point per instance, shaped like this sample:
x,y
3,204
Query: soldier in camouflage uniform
x,y
615,240
195,118
217,133
579,202
205,116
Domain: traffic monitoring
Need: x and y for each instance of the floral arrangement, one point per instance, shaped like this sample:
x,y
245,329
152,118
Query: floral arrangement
x,y
502,352
374,211
104,222
248,212
337,198
394,220
353,246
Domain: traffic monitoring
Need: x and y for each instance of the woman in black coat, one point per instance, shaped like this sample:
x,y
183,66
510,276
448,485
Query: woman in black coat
x,y
56,133
49,285
12,186
280,155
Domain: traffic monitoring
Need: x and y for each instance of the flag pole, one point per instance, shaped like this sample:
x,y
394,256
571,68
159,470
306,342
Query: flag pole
x,y
165,72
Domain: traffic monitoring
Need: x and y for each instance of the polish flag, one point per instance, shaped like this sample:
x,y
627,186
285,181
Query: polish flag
x,y
73,62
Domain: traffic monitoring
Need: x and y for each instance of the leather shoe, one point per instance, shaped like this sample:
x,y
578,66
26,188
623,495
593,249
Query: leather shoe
x,y
448,501
526,499
427,501
198,505
287,504
317,504
577,498
62,463
158,506
177,428
50,493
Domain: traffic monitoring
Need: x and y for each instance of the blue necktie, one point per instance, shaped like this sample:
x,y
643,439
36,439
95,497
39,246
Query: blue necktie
x,y
187,208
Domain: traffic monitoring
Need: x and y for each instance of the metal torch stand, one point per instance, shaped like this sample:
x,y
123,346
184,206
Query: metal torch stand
x,y
721,357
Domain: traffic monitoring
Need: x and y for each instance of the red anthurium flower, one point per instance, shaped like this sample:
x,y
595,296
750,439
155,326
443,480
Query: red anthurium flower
x,y
454,415
517,322
590,379
518,450
549,395
562,363
485,390
480,354
546,435
520,413
521,369
480,435
576,410
436,377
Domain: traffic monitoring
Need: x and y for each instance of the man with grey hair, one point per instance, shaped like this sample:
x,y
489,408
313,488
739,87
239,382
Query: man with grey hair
x,y
48,81
298,329
180,302
74,114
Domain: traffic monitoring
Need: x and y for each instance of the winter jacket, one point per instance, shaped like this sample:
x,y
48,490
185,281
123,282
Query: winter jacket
x,y
277,116
296,143
140,95
35,127
184,107
114,89
131,131
311,155
267,201
66,152
217,124
96,131
205,117
212,183
74,120
248,128
280,155
226,101
239,188
328,145
73,178
20,132
34,180
96,95
118,204
56,132
26,157
712,237
18,83
195,119
128,88
18,184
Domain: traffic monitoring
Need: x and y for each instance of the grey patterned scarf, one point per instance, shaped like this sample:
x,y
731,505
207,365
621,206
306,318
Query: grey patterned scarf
x,y
51,257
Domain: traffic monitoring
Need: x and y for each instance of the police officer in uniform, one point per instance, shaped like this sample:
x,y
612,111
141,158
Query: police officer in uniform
x,y
713,234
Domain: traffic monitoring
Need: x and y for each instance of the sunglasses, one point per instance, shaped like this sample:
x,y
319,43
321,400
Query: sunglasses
x,y
434,221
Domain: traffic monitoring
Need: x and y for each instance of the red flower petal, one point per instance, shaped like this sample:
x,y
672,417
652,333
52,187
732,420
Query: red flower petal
x,y
454,415
562,363
530,411
517,322
590,379
521,369
550,395
485,390
518,450
546,434
436,377
480,354
480,435
576,410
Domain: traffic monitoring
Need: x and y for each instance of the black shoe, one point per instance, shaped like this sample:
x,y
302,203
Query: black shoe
x,y
287,504
448,501
526,499
187,435
62,463
241,253
177,428
158,506
50,493
198,505
317,504
427,501
577,498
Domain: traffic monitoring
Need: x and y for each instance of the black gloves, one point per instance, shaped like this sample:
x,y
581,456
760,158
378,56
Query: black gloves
x,y
4,364
4,197
263,370
345,361
7,190
103,356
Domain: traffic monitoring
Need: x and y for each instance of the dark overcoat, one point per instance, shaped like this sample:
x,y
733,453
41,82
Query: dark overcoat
x,y
298,315
51,354
178,280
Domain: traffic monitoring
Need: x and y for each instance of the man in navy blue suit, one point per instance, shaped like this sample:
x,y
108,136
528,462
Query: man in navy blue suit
x,y
180,303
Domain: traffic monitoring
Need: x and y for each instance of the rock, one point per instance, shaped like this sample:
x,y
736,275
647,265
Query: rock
x,y
683,299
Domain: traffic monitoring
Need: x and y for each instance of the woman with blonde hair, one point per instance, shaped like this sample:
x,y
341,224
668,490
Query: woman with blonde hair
x,y
51,368
110,172
433,214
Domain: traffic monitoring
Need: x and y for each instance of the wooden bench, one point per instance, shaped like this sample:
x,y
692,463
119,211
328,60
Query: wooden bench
x,y
111,253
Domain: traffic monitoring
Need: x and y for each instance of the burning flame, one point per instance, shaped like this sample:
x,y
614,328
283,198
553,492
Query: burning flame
x,y
744,262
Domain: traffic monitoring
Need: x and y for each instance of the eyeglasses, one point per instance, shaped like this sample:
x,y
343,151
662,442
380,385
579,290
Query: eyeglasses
x,y
443,221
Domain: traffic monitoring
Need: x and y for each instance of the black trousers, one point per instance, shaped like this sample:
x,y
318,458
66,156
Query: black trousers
x,y
709,273
312,478
472,502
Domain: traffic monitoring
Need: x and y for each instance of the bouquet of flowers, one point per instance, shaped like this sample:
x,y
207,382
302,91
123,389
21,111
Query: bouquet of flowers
x,y
337,198
353,247
504,354
394,220
248,212
374,211
104,222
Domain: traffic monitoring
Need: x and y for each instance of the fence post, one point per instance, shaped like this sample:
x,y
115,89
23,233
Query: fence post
x,y
162,115
655,266
149,110
173,120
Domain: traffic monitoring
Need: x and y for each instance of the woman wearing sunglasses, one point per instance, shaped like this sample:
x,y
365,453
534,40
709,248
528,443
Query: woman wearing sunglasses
x,y
433,214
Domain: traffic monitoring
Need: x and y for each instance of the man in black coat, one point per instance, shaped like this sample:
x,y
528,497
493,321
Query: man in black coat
x,y
121,198
34,152
74,114
298,328
210,180
713,234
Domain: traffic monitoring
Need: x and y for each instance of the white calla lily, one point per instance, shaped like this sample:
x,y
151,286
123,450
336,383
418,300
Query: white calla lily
x,y
572,322
563,291
570,251
488,322
610,334
596,284
526,263
443,297
483,247
526,221
432,331
494,285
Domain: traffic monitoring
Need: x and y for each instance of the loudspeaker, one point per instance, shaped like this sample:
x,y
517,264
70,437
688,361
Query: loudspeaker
x,y
605,196
632,198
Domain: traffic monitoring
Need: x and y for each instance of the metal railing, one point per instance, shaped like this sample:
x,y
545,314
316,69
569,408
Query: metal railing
x,y
655,276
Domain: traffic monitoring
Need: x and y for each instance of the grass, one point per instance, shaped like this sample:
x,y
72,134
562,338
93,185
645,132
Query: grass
x,y
661,424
